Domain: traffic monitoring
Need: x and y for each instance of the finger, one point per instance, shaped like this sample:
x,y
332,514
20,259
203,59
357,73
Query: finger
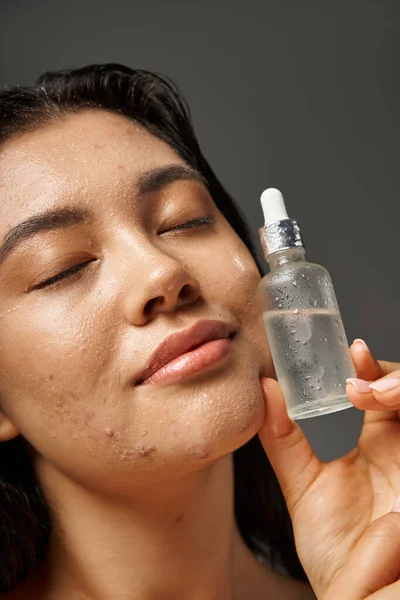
x,y
287,448
387,390
366,366
368,369
372,402
363,400
374,562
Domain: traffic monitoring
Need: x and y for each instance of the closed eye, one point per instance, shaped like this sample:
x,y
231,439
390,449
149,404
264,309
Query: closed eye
x,y
68,273
79,267
193,223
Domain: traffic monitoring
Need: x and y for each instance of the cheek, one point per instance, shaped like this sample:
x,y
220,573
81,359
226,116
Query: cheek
x,y
234,275
48,373
236,281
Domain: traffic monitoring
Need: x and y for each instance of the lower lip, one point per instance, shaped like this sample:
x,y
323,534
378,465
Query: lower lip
x,y
203,357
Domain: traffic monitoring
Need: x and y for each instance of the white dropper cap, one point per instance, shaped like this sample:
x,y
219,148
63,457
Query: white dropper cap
x,y
279,232
273,206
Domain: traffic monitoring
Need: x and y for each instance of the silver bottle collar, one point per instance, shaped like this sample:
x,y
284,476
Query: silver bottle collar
x,y
281,235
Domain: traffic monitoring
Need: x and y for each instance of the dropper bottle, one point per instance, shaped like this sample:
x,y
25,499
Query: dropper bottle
x,y
302,320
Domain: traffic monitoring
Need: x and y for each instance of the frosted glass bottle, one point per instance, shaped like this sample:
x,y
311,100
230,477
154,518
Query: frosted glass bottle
x,y
304,329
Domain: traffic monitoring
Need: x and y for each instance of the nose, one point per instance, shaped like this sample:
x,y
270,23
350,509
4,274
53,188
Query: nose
x,y
167,287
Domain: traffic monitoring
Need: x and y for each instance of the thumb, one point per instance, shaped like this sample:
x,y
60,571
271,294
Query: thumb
x,y
291,456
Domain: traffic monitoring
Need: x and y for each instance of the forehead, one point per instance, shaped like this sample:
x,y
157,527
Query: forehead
x,y
92,153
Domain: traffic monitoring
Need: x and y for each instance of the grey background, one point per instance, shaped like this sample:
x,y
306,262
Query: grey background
x,y
303,96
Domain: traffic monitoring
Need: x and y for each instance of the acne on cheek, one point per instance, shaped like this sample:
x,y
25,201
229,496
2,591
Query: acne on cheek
x,y
139,450
89,416
201,450
81,419
68,410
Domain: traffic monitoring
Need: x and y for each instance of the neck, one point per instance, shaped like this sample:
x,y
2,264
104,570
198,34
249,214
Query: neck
x,y
174,540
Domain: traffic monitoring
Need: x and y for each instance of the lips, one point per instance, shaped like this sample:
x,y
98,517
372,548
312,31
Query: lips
x,y
184,341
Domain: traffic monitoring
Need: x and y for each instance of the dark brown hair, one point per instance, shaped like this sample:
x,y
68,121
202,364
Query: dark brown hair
x,y
154,102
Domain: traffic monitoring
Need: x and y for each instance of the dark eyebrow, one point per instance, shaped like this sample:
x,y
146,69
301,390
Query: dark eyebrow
x,y
45,221
67,216
156,179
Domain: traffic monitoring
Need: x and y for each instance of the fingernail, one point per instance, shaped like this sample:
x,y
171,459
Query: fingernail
x,y
360,385
362,343
396,505
385,385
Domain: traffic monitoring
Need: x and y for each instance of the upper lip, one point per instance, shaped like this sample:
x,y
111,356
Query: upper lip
x,y
183,341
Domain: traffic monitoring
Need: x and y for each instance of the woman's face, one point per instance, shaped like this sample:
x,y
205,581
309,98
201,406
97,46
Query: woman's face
x,y
71,352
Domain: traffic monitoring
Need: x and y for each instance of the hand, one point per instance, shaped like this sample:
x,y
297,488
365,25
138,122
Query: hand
x,y
347,542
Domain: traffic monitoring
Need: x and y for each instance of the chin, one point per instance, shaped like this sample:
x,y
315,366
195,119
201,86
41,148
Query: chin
x,y
225,435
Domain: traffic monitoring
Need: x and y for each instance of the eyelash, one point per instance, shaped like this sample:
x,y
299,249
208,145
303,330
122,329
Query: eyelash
x,y
76,268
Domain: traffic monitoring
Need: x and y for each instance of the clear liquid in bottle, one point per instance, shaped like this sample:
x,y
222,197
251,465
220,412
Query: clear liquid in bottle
x,y
302,319
311,358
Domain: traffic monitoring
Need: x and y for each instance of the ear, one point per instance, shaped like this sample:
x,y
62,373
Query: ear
x,y
8,431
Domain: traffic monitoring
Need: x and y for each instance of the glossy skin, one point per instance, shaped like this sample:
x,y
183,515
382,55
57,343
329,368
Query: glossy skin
x,y
140,478
128,469
93,332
